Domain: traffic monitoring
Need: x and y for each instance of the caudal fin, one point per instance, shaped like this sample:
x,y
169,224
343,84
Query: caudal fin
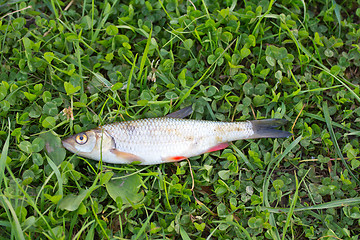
x,y
266,128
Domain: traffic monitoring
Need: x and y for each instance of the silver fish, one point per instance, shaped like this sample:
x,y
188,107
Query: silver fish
x,y
160,140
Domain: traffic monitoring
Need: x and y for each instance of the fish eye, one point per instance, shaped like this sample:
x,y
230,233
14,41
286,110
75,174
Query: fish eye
x,y
81,138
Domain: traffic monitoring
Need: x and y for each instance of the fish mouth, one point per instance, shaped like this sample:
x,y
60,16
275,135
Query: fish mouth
x,y
68,144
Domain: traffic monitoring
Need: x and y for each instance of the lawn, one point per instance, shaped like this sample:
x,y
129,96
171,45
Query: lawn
x,y
70,66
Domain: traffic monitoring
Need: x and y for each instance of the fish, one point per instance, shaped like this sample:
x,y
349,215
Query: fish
x,y
166,139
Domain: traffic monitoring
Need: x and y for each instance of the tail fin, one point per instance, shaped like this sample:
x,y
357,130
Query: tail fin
x,y
265,128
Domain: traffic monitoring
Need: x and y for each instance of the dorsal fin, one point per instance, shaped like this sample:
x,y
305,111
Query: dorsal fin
x,y
182,113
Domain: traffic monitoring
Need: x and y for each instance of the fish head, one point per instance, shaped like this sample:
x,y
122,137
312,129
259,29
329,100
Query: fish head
x,y
89,144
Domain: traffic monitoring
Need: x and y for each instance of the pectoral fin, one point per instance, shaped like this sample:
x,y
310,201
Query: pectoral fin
x,y
126,156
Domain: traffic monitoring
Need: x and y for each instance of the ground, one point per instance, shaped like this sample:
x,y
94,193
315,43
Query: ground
x,y
70,66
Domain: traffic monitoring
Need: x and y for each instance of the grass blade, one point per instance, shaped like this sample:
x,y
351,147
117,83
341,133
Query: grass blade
x,y
144,57
277,160
142,229
243,157
317,117
184,234
57,174
15,224
84,227
333,139
332,204
267,178
106,13
31,202
337,14
129,81
3,157
293,204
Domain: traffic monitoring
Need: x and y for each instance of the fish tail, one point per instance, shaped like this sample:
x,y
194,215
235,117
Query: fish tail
x,y
266,128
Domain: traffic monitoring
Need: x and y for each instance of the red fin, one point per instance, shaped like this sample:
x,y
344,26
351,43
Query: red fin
x,y
174,159
218,147
127,156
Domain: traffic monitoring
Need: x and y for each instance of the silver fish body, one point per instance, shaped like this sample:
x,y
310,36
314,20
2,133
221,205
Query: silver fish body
x,y
158,140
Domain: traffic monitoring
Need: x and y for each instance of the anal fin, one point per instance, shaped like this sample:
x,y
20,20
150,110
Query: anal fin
x,y
218,147
174,158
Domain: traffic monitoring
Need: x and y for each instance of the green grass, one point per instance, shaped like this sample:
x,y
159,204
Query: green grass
x,y
70,66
